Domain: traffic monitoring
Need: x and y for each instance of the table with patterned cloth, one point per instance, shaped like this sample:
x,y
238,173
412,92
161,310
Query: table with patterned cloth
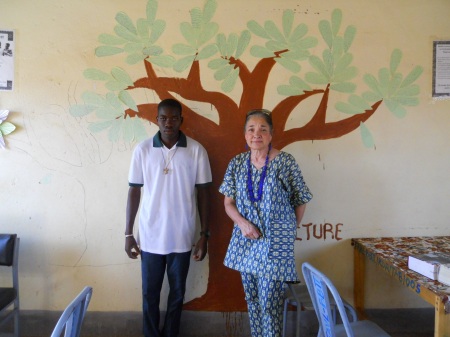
x,y
391,255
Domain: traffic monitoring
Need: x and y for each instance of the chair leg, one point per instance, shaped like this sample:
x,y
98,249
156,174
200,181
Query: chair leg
x,y
285,311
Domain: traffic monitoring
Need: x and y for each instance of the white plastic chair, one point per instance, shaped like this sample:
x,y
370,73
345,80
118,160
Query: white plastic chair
x,y
9,296
72,317
320,288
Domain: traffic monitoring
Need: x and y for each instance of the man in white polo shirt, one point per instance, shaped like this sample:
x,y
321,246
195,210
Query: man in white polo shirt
x,y
170,167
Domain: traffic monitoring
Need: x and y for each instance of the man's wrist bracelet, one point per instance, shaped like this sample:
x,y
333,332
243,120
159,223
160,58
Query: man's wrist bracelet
x,y
206,234
128,235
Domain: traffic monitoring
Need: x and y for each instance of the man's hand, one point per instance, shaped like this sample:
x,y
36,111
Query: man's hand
x,y
201,248
131,247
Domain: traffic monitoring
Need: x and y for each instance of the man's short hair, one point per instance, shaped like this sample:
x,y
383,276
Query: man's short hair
x,y
170,103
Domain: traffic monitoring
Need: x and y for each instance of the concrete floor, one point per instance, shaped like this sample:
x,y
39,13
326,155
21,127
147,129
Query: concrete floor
x,y
397,322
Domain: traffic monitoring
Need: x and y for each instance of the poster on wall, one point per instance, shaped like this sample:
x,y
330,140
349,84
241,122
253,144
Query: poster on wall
x,y
441,69
6,60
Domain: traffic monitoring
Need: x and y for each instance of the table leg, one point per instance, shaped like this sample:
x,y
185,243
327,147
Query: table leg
x,y
359,265
441,319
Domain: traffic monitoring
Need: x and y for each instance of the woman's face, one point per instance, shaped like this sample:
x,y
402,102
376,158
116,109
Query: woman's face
x,y
257,133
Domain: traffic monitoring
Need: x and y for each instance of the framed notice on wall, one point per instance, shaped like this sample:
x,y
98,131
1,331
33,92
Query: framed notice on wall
x,y
6,59
441,69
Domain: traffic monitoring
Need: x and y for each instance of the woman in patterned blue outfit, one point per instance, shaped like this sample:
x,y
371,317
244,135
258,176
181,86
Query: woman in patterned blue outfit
x,y
265,196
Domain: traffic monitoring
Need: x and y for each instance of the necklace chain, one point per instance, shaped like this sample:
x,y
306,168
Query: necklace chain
x,y
251,194
166,164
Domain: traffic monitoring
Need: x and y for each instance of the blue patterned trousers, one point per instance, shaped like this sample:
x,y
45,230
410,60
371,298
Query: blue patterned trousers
x,y
265,305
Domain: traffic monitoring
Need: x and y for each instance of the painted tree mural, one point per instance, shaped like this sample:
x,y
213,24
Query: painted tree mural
x,y
274,44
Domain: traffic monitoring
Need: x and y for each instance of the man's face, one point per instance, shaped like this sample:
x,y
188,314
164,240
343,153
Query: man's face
x,y
169,122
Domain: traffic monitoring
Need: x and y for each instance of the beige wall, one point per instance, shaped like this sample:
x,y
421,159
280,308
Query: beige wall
x,y
63,190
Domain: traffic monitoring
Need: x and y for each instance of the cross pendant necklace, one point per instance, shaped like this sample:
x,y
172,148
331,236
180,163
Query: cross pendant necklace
x,y
166,169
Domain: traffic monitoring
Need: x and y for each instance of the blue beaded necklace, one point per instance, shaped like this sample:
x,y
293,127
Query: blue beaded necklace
x,y
251,194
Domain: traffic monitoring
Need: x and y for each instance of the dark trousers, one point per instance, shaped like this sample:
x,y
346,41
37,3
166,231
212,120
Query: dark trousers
x,y
153,268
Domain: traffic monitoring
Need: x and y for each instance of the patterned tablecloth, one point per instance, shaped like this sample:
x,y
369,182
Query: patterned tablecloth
x,y
391,254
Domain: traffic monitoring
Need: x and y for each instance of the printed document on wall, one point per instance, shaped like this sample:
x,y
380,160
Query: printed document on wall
x,y
6,60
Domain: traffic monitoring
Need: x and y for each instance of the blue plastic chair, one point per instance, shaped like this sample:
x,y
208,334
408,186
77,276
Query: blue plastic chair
x,y
9,296
72,317
320,288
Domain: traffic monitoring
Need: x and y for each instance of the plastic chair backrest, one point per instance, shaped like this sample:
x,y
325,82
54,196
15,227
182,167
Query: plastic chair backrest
x,y
72,317
320,287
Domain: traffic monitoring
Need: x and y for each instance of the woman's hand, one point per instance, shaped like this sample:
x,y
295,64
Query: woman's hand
x,y
249,230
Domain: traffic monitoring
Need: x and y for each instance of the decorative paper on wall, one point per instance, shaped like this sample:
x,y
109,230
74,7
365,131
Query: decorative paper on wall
x,y
6,60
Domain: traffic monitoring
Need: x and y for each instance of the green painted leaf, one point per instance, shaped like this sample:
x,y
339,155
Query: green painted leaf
x,y
373,84
395,108
232,44
336,20
359,102
165,61
121,75
110,40
126,99
114,101
412,90
349,36
230,81
384,77
338,48
288,90
273,31
243,42
319,66
124,20
261,52
316,78
345,75
92,98
158,28
406,100
207,52
221,42
223,73
96,74
108,113
328,62
217,63
183,49
114,131
100,126
396,57
139,130
288,20
372,97
412,76
196,17
257,29
325,31
366,136
345,87
127,130
298,33
288,64
307,42
6,128
143,28
135,58
275,45
189,33
183,63
298,55
343,63
126,34
394,84
151,9
133,48
208,32
81,110
107,51
209,10
348,108
152,51
299,83
115,85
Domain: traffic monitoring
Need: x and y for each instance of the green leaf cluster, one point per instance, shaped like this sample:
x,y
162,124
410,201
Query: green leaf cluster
x,y
138,40
197,33
289,44
334,67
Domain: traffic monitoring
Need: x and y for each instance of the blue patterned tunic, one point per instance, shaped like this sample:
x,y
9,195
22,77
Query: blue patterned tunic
x,y
271,256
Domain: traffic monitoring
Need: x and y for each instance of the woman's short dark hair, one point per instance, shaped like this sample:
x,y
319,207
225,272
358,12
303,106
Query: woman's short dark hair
x,y
264,113
170,103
